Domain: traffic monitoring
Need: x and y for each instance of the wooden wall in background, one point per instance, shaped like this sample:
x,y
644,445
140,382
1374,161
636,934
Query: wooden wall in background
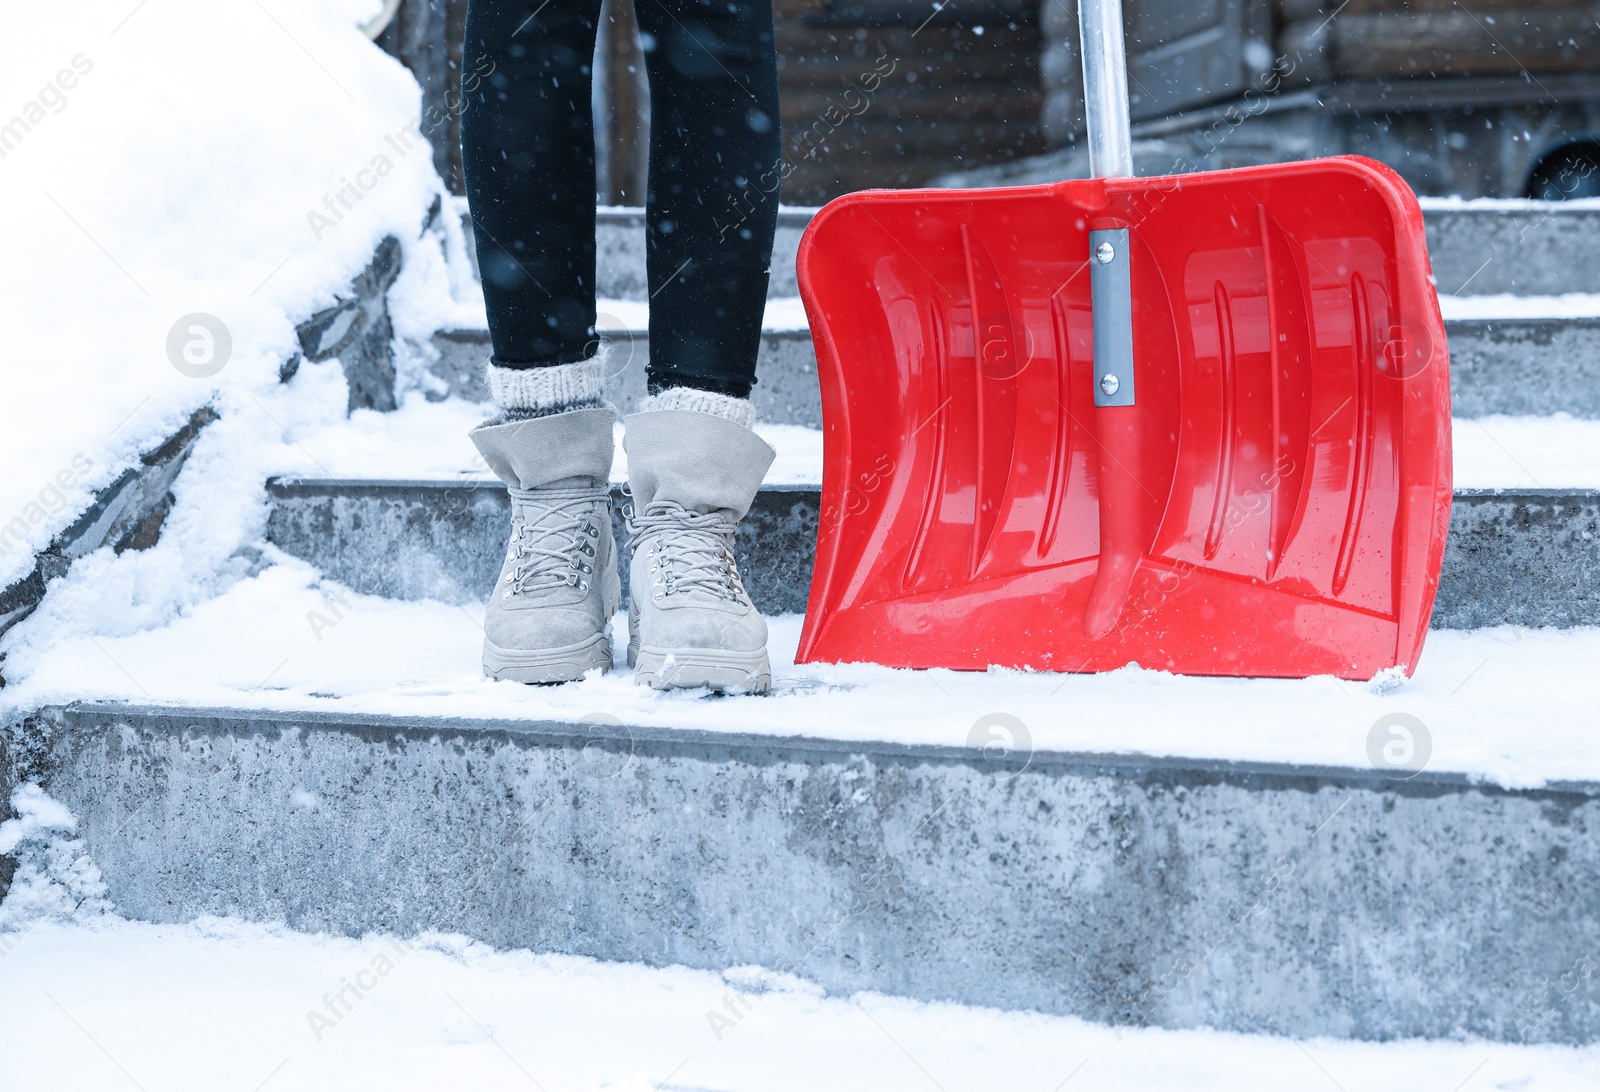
x,y
1439,38
956,88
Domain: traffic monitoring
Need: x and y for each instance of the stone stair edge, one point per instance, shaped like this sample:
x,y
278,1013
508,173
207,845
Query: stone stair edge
x,y
760,748
285,485
537,825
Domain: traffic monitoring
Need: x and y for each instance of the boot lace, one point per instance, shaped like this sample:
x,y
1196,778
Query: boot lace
x,y
689,551
554,541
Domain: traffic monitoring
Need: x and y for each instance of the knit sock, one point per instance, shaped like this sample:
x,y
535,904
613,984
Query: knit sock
x,y
521,393
741,411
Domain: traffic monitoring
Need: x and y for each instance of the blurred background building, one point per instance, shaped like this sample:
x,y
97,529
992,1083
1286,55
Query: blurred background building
x,y
1493,98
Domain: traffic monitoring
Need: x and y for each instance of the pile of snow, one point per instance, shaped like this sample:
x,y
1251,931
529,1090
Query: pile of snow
x,y
182,182
224,1004
55,877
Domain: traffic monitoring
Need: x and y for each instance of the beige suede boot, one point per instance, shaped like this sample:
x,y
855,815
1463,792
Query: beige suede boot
x,y
694,475
558,589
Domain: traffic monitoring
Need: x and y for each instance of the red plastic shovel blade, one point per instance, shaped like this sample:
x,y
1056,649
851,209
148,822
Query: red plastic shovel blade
x,y
1275,502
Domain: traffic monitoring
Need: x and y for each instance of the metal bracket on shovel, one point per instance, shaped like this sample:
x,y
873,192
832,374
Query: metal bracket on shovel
x,y
1111,292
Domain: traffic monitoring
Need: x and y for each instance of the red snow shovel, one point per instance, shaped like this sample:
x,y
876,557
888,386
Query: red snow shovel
x,y
1199,423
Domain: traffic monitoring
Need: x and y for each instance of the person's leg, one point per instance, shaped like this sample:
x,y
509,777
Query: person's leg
x,y
713,188
694,464
528,148
527,142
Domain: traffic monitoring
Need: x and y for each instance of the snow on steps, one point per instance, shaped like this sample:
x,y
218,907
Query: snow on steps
x,y
1257,894
128,513
1501,361
1129,848
1296,900
396,504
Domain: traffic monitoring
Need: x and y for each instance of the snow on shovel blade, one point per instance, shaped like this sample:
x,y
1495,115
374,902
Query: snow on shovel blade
x,y
1274,503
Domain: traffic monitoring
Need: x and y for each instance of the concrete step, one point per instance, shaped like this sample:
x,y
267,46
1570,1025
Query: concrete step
x,y
446,540
1525,248
1177,892
1524,366
1524,557
1528,248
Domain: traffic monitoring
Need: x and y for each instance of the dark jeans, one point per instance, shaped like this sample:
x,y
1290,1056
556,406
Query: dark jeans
x,y
528,148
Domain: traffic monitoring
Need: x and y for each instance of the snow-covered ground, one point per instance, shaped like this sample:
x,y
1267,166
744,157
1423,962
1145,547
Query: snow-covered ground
x,y
1507,306
782,313
1501,452
286,640
222,1004
175,166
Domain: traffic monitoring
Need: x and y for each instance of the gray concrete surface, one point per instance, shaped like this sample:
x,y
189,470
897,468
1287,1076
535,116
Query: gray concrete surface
x,y
1529,557
1532,250
1298,901
1525,366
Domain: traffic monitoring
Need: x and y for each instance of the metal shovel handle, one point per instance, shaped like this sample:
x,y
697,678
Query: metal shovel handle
x,y
1117,423
1105,88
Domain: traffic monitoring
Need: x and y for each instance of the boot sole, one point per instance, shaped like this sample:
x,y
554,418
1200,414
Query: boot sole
x,y
691,668
547,665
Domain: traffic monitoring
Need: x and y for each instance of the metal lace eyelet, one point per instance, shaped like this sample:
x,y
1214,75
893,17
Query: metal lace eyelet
x,y
583,585
507,595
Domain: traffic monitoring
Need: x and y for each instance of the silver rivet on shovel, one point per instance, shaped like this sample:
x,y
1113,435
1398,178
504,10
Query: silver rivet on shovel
x,y
1109,384
1105,252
